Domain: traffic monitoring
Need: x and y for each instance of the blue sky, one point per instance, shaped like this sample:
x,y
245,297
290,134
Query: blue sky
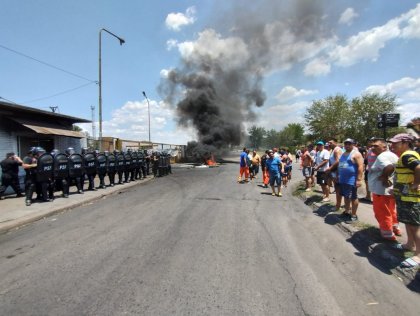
x,y
363,46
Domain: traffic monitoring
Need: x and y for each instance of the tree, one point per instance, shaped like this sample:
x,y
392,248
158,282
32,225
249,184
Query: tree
x,y
272,138
336,117
292,135
365,110
256,136
328,118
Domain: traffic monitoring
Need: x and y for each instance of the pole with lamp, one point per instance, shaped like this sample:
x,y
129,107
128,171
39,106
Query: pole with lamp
x,y
122,41
148,110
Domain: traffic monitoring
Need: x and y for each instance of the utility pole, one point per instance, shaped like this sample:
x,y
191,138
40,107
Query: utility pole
x,y
93,122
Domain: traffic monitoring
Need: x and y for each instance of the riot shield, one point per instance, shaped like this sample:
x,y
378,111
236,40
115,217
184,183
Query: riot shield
x,y
75,166
61,166
89,163
101,163
44,169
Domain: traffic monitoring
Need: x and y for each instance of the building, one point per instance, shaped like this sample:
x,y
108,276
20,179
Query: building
x,y
23,127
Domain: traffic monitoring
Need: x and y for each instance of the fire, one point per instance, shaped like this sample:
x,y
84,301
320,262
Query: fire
x,y
211,161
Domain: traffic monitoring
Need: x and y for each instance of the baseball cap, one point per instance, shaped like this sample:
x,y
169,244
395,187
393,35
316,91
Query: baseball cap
x,y
403,137
349,140
320,143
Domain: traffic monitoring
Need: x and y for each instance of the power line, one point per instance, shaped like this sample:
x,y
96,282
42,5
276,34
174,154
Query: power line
x,y
8,100
60,93
47,64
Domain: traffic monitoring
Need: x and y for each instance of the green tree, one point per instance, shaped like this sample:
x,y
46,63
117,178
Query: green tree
x,y
272,139
365,110
256,136
328,118
292,135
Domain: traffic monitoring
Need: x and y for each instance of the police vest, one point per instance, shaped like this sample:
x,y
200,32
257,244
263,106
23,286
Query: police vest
x,y
403,178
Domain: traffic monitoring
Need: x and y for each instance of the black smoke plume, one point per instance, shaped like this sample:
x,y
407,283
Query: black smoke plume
x,y
218,83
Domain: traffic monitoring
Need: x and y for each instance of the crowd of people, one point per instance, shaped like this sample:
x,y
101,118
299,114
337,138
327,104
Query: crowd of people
x,y
276,168
390,170
46,173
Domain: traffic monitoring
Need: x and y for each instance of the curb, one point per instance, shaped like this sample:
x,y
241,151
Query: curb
x,y
21,222
383,255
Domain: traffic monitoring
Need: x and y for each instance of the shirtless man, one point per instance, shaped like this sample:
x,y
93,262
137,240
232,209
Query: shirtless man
x,y
307,167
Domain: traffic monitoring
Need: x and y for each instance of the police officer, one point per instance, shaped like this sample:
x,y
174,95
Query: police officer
x,y
127,166
155,159
148,159
75,169
119,165
29,164
111,167
89,164
44,174
101,168
10,174
61,172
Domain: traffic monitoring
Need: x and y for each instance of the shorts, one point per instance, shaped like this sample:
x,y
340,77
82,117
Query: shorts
x,y
287,171
307,172
275,179
408,212
321,177
348,191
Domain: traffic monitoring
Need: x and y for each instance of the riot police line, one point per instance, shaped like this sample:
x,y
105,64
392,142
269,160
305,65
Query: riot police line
x,y
47,173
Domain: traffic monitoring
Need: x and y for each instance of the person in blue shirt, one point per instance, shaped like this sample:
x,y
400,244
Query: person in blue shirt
x,y
275,169
243,166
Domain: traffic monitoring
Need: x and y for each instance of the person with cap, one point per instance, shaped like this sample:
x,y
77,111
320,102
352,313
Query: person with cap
x,y
322,158
275,169
350,177
10,174
407,194
380,184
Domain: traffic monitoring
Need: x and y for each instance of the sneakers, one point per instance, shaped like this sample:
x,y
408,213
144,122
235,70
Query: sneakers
x,y
397,231
352,219
28,202
273,194
308,190
345,215
279,195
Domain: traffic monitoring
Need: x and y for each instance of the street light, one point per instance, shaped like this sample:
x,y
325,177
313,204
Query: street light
x,y
148,110
100,80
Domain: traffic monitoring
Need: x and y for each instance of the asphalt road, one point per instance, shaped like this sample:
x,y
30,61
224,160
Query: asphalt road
x,y
192,243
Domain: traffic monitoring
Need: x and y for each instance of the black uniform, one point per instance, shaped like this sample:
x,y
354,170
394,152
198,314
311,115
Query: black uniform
x,y
30,178
10,176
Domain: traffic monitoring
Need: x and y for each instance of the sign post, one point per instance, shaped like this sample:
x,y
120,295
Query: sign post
x,y
388,120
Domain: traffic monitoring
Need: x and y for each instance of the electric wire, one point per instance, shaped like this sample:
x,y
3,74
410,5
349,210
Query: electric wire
x,y
60,93
47,64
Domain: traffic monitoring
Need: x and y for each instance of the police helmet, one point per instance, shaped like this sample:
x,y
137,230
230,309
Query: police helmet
x,y
106,153
116,152
70,151
55,152
39,151
84,151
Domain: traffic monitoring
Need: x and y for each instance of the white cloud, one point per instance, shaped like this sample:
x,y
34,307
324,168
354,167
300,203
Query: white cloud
x,y
407,90
317,67
278,116
365,45
348,16
290,92
175,21
172,43
130,122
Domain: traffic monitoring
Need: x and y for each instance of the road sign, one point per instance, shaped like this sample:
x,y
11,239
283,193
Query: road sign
x,y
388,120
